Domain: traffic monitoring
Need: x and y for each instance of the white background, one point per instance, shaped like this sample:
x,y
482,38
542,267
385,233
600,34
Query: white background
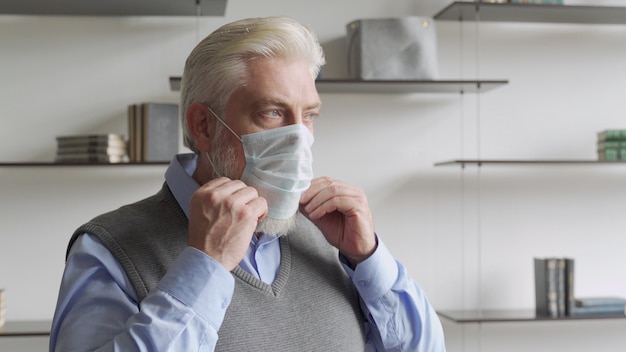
x,y
468,236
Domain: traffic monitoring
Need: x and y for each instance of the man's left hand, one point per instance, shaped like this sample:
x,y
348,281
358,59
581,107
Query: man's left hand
x,y
343,215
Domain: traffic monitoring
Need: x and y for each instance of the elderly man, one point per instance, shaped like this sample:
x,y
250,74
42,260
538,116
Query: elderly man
x,y
242,249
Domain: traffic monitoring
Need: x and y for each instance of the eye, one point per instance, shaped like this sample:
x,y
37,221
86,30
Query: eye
x,y
272,113
311,116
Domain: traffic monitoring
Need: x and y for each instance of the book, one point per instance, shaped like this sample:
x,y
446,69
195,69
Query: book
x,y
2,307
611,154
600,301
111,139
554,286
104,148
153,131
134,132
561,295
619,144
160,131
546,292
599,310
540,2
92,149
90,158
131,133
612,135
570,300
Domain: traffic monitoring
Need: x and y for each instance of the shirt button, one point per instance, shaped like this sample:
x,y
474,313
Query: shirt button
x,y
363,283
225,304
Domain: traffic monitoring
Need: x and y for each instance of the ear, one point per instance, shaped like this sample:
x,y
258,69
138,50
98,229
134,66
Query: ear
x,y
201,124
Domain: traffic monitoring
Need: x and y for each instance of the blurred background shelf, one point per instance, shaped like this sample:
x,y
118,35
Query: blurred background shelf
x,y
53,164
114,7
26,328
394,86
475,11
478,162
512,315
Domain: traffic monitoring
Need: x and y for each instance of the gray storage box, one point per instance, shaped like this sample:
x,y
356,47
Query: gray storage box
x,y
392,48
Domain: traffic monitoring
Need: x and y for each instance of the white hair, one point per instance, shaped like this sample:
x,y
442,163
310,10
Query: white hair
x,y
217,66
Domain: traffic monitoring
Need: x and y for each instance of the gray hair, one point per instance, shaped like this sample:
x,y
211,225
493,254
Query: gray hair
x,y
217,66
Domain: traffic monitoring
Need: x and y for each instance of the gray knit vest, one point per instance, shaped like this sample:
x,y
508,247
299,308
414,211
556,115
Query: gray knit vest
x,y
311,306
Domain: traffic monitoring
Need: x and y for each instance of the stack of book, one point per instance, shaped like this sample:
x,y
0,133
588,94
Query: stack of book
x,y
554,292
92,148
554,286
611,145
3,308
153,132
599,306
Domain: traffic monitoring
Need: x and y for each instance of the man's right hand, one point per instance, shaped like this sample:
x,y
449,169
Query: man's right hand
x,y
223,216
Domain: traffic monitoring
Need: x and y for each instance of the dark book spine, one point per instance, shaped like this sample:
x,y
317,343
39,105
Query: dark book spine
x,y
546,296
561,294
570,302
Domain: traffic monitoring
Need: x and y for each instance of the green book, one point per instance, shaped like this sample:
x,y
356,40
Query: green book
x,y
612,154
612,145
612,135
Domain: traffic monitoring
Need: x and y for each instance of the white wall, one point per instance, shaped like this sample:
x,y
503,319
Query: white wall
x,y
468,236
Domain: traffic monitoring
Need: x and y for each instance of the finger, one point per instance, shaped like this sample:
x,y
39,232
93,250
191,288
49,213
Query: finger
x,y
216,192
243,195
317,209
216,182
317,184
243,198
226,187
336,196
259,207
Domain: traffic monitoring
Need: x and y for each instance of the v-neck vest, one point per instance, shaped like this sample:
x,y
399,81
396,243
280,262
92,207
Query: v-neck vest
x,y
311,306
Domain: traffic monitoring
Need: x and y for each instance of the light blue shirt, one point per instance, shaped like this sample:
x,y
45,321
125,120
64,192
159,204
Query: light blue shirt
x,y
97,308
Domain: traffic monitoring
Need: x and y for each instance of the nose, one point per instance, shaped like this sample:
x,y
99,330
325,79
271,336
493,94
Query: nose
x,y
305,117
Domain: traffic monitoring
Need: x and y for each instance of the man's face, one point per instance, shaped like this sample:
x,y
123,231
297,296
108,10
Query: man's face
x,y
278,93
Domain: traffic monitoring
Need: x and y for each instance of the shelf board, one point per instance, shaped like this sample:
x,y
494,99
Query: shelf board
x,y
26,328
114,7
53,164
394,86
407,86
477,11
513,315
479,162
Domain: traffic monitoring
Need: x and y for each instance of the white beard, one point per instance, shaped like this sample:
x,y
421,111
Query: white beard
x,y
277,227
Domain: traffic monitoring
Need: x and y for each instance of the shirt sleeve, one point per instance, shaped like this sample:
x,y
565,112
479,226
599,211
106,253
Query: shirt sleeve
x,y
399,316
97,308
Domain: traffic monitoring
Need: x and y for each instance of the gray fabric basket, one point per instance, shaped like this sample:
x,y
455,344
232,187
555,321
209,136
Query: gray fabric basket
x,y
392,48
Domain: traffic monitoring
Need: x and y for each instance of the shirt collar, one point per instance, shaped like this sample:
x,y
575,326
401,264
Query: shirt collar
x,y
179,180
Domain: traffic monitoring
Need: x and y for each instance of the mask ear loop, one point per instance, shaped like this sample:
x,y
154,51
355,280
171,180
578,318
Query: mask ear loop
x,y
231,131
212,165
223,123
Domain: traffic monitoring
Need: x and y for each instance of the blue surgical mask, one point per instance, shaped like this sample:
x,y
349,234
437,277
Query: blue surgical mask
x,y
279,165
